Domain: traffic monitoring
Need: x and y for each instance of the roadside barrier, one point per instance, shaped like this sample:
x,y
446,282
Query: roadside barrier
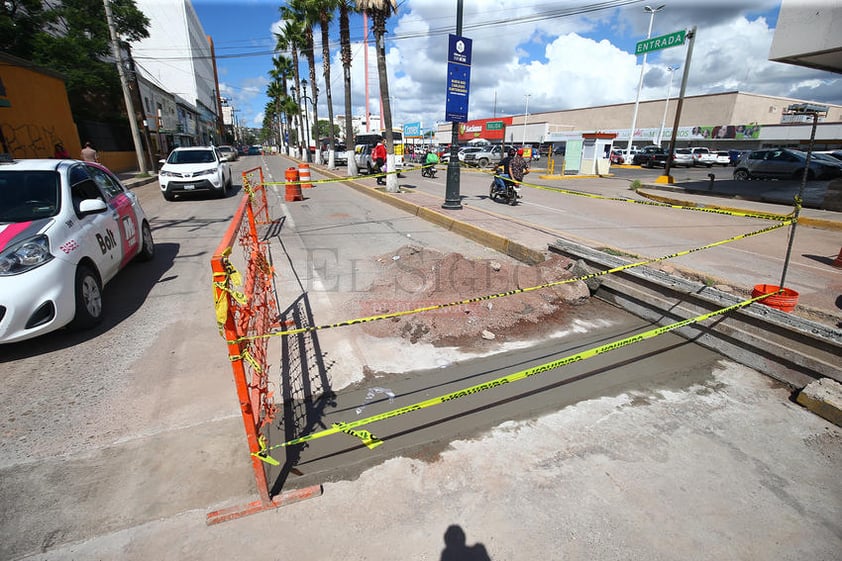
x,y
246,304
304,175
293,186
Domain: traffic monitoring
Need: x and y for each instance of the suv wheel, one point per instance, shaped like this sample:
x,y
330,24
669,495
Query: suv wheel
x,y
741,174
483,162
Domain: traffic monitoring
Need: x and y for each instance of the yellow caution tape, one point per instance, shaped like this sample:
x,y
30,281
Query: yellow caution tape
x,y
515,377
745,214
476,299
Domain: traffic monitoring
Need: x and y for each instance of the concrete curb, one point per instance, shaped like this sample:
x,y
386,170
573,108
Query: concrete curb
x,y
824,398
822,223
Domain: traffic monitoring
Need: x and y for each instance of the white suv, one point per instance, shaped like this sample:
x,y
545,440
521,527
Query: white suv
x,y
702,156
194,169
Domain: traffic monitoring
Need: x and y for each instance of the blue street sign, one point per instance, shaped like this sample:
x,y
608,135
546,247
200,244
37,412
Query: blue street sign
x,y
458,79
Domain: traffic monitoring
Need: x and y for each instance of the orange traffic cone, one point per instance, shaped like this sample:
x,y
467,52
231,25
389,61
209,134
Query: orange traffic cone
x,y
838,262
304,173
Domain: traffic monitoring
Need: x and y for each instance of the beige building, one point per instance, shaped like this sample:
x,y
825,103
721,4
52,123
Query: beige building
x,y
724,120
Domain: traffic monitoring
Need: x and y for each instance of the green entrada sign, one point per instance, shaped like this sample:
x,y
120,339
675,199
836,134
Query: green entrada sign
x,y
663,42
494,125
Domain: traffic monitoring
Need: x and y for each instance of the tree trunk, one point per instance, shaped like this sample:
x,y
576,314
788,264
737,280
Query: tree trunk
x,y
311,62
325,25
379,32
345,41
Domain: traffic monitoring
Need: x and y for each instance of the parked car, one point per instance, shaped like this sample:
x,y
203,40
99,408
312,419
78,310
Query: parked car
x,y
702,156
445,158
682,157
255,150
340,156
482,157
66,229
784,163
722,158
616,157
644,157
362,156
229,153
195,169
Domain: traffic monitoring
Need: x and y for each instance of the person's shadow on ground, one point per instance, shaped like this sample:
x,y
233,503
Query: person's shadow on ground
x,y
456,549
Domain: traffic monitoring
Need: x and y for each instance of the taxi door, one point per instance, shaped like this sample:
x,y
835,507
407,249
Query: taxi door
x,y
98,233
122,203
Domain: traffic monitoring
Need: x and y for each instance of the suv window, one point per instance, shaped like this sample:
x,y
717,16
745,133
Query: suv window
x,y
701,151
758,155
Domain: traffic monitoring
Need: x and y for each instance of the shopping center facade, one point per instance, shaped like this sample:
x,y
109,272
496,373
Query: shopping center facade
x,y
734,119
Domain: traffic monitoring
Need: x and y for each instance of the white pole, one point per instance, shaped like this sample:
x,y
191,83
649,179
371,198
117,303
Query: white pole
x,y
525,119
672,70
651,12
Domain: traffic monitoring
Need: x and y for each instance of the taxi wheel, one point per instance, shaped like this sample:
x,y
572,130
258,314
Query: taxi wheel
x,y
147,250
88,298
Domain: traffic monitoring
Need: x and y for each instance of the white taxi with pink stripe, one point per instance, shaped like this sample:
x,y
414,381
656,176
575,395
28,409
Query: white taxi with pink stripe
x,y
66,229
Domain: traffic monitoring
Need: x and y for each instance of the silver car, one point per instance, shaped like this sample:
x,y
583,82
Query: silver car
x,y
784,163
682,157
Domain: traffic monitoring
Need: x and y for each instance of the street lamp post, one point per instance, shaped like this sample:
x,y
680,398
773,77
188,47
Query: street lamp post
x,y
651,11
525,119
305,98
672,70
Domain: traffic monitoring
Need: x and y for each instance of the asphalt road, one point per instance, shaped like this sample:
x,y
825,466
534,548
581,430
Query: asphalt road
x,y
116,442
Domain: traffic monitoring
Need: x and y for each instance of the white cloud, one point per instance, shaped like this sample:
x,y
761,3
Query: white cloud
x,y
572,61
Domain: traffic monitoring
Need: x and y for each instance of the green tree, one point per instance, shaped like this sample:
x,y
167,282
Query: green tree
x,y
379,11
290,39
71,37
308,14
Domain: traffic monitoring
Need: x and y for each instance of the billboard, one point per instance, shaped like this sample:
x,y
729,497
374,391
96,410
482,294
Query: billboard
x,y
489,129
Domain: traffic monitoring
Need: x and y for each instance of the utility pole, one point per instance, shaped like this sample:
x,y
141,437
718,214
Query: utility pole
x,y
115,47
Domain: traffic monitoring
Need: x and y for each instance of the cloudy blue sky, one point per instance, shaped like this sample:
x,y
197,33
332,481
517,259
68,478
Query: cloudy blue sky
x,y
563,53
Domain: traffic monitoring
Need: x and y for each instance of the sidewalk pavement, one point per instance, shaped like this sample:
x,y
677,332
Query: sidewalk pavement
x,y
527,243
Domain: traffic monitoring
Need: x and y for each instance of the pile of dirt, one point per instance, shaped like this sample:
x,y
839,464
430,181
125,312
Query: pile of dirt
x,y
415,277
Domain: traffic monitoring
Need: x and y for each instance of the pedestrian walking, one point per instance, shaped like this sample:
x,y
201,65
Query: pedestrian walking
x,y
89,154
378,156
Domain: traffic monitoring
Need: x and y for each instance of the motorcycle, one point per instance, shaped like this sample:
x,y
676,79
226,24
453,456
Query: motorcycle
x,y
503,187
429,171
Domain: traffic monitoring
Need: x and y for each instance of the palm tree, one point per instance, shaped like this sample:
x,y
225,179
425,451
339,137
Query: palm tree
x,y
308,14
276,92
379,11
326,8
290,39
281,72
345,42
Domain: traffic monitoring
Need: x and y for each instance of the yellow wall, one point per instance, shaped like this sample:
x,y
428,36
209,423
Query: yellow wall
x,y
39,115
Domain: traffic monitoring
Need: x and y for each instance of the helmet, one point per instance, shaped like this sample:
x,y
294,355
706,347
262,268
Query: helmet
x,y
520,151
512,152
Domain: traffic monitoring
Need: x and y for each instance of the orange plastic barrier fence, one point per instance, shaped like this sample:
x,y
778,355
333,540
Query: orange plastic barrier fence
x,y
246,304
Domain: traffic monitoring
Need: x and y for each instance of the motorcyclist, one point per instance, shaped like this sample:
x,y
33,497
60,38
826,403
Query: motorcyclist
x,y
430,161
503,169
